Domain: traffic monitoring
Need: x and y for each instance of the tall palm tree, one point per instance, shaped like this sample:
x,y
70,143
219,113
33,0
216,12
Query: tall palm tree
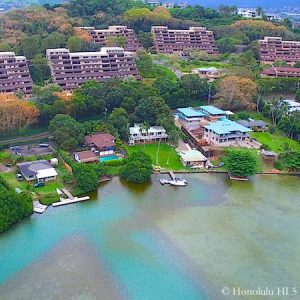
x,y
174,137
144,127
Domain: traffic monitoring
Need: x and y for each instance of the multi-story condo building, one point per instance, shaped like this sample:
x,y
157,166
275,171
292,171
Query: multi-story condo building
x,y
105,37
193,39
70,70
274,48
14,74
281,72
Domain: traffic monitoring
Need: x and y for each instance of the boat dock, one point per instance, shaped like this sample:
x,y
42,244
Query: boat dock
x,y
70,201
38,207
68,194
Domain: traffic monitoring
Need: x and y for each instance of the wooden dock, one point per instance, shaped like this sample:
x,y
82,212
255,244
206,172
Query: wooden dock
x,y
68,194
70,201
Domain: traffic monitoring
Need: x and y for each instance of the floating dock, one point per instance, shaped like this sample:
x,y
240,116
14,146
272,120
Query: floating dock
x,y
38,207
70,201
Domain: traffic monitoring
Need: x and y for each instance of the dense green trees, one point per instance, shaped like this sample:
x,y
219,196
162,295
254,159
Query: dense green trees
x,y
86,177
138,168
13,206
241,162
66,131
119,120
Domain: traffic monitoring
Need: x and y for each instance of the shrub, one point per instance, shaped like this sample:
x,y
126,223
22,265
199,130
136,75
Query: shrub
x,y
241,162
50,198
138,168
115,162
67,178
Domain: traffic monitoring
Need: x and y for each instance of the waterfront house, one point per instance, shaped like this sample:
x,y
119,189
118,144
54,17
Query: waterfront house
x,y
140,135
101,143
86,156
193,158
255,125
225,132
40,170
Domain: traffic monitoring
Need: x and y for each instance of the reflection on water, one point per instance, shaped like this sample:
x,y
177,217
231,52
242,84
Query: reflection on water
x,y
158,242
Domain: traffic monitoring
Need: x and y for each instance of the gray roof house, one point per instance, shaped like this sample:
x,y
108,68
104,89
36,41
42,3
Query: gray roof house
x,y
254,124
40,170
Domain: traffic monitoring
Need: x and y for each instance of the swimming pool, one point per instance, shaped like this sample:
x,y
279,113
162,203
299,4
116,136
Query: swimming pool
x,y
108,158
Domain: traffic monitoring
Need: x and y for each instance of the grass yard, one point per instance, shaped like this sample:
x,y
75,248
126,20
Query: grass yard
x,y
163,154
49,187
275,142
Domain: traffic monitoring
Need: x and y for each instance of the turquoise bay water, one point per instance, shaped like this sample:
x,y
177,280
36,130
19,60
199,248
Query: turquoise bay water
x,y
158,242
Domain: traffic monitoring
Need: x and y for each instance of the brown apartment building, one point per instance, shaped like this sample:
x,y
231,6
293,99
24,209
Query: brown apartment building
x,y
281,72
173,40
104,37
274,48
70,70
14,74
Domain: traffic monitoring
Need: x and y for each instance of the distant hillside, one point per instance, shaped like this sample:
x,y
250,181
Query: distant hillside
x,y
246,3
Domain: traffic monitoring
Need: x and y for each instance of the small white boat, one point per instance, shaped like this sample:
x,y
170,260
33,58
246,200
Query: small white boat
x,y
164,181
178,182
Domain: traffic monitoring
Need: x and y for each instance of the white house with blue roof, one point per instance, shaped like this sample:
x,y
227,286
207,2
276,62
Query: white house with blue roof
x,y
190,117
225,132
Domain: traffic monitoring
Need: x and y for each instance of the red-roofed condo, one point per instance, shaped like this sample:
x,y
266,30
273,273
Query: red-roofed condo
x,y
192,39
101,143
14,74
274,48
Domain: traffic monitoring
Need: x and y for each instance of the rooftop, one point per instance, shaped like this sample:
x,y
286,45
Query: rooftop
x,y
212,110
32,168
191,112
225,126
192,155
100,140
136,129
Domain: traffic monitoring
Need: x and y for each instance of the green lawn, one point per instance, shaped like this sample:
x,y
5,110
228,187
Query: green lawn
x,y
275,142
163,154
49,187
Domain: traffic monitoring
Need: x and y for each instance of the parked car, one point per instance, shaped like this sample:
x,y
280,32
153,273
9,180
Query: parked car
x,y
39,184
19,177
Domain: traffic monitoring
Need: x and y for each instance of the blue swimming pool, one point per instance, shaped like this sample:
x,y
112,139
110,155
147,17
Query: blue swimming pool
x,y
108,158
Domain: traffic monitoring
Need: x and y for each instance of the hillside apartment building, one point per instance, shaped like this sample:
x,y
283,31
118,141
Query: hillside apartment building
x,y
14,74
281,72
274,48
70,70
104,37
179,41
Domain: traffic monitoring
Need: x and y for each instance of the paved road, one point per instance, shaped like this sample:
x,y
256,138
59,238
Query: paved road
x,y
23,139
